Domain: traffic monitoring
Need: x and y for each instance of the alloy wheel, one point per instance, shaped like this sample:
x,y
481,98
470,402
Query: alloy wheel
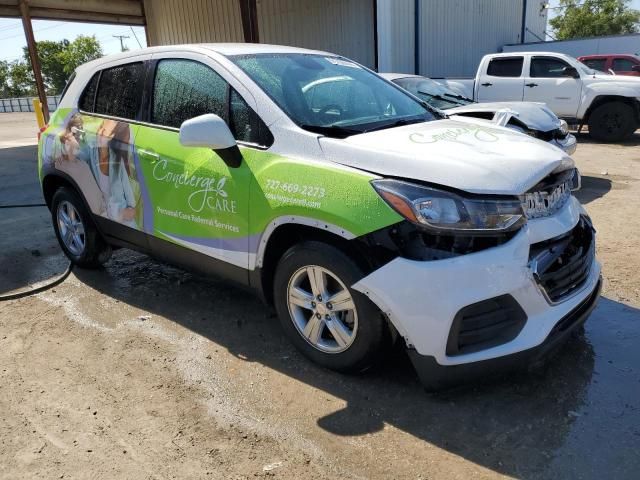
x,y
71,228
322,309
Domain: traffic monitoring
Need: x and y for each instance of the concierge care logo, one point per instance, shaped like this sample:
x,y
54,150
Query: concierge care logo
x,y
206,192
454,135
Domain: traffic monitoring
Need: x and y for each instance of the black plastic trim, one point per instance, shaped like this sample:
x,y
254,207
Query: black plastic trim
x,y
485,324
434,376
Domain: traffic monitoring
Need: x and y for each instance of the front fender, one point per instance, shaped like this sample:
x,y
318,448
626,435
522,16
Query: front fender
x,y
604,89
330,197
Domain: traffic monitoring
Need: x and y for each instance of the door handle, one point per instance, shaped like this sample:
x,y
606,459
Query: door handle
x,y
531,85
486,84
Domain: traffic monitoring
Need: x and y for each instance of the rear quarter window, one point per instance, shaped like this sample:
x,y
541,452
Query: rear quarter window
x,y
89,94
505,67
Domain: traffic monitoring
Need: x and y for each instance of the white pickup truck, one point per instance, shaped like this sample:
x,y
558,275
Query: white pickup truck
x,y
608,104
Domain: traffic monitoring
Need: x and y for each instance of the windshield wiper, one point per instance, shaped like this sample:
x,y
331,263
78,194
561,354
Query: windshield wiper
x,y
397,123
334,131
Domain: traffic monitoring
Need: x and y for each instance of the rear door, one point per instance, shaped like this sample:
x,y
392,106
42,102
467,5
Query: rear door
x,y
502,79
198,203
97,148
548,83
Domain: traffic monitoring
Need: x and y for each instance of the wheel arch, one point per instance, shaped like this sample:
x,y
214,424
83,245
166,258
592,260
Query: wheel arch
x,y
53,181
602,99
286,234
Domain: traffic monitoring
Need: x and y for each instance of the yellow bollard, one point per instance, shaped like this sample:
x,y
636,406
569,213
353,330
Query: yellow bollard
x,y
37,106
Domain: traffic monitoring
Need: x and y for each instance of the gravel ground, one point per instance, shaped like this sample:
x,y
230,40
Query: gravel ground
x,y
141,370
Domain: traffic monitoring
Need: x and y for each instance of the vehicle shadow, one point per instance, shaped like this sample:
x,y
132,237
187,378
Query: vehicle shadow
x,y
593,188
512,425
584,138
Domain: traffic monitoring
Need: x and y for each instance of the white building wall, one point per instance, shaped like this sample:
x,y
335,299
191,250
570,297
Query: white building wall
x,y
536,20
396,36
170,22
586,46
345,27
456,34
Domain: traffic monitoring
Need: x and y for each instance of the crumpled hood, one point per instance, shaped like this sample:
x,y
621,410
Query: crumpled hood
x,y
536,116
460,154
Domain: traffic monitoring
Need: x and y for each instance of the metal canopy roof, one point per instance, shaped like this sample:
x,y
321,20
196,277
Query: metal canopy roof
x,y
128,12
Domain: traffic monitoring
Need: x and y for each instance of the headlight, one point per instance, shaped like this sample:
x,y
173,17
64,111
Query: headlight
x,y
564,128
446,211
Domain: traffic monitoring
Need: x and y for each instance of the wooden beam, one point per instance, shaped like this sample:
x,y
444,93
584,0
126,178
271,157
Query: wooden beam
x,y
33,56
249,14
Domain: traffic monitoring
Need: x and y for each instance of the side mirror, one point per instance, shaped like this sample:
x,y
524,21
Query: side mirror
x,y
635,68
210,131
570,72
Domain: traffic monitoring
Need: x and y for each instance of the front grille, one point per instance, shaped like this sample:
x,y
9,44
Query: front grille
x,y
485,324
550,195
562,265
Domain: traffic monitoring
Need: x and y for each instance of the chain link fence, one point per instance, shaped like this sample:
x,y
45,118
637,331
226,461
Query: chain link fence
x,y
25,104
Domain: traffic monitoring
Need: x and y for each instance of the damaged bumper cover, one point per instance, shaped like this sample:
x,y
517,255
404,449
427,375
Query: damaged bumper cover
x,y
509,311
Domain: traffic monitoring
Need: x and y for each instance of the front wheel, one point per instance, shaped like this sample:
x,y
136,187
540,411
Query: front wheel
x,y
612,122
331,324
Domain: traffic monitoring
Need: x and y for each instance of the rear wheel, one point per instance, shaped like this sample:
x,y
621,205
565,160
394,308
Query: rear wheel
x,y
612,122
331,324
76,233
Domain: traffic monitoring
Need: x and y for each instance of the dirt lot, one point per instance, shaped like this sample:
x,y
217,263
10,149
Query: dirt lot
x,y
141,371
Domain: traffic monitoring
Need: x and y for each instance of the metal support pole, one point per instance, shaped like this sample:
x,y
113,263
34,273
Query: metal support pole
x,y
249,14
523,30
33,56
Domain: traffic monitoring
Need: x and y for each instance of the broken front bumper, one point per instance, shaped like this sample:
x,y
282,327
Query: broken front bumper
x,y
423,300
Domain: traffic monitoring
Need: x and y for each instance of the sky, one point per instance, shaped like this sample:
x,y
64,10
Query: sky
x,y
12,37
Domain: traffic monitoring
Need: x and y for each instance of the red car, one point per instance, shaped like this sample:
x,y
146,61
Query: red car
x,y
619,64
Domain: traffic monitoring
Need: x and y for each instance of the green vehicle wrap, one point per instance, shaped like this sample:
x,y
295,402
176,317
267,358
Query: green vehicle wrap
x,y
190,197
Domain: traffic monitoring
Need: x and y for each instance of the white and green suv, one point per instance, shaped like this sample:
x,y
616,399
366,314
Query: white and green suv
x,y
361,214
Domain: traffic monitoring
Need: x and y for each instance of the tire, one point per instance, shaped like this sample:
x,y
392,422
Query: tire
x,y
76,232
612,122
348,340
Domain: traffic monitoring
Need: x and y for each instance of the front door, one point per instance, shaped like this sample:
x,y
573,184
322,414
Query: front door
x,y
548,83
197,202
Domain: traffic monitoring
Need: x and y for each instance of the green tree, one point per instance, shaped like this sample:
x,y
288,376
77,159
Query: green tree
x,y
21,82
59,59
51,58
594,18
4,78
82,50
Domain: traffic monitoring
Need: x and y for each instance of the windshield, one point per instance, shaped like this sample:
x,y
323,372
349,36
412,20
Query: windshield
x,y
432,92
331,95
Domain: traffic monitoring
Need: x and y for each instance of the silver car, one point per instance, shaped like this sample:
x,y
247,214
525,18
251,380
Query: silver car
x,y
534,119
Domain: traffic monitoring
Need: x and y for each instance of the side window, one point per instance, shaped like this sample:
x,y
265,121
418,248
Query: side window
x,y
622,65
545,67
245,124
184,89
505,67
120,91
596,63
89,94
